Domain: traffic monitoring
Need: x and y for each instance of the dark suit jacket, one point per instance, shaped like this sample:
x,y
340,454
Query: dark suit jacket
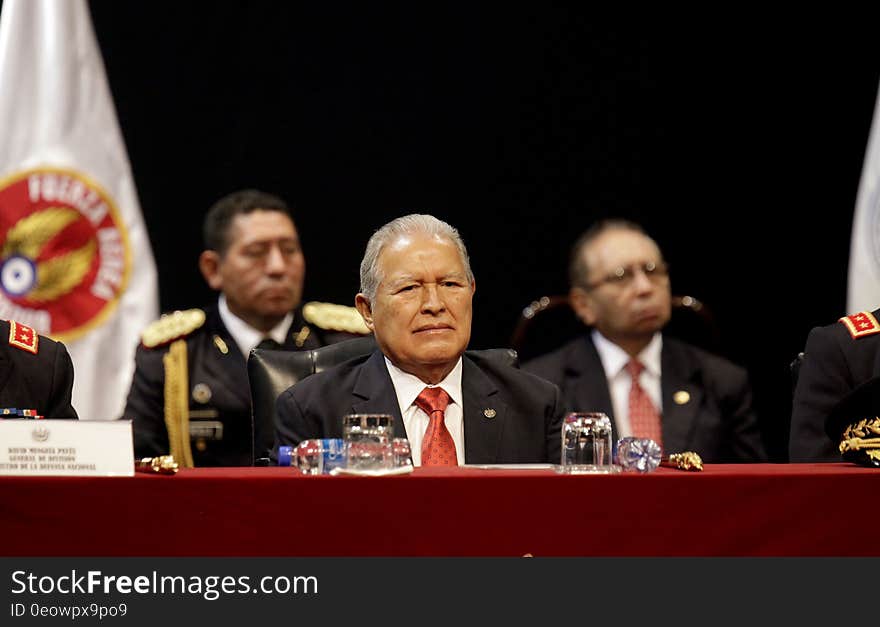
x,y
717,421
834,364
43,381
524,429
224,375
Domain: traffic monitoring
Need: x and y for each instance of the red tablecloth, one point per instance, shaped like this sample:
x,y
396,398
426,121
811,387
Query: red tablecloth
x,y
726,510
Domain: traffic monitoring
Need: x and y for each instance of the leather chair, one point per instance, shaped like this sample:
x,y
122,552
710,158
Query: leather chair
x,y
550,321
271,372
795,369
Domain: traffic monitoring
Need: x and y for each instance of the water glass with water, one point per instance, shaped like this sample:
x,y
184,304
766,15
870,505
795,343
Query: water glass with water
x,y
368,441
586,443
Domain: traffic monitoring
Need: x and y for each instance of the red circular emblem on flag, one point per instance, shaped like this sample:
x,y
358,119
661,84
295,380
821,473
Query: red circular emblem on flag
x,y
64,253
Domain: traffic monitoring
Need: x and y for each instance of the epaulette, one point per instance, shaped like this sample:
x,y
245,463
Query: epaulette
x,y
23,337
861,324
172,326
335,317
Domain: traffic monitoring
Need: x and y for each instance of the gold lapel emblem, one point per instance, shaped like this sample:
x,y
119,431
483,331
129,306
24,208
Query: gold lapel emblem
x,y
489,413
301,337
220,344
681,397
201,393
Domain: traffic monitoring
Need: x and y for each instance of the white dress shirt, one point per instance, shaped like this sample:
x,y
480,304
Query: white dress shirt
x,y
246,337
614,360
408,387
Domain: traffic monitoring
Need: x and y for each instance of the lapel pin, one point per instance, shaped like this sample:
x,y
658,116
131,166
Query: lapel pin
x,y
681,397
220,344
489,413
201,393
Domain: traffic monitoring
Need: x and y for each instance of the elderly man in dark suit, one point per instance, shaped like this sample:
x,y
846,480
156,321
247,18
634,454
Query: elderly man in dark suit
x,y
36,375
650,385
416,296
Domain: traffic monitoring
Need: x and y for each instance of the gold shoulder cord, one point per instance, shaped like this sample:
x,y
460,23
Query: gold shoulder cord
x,y
177,403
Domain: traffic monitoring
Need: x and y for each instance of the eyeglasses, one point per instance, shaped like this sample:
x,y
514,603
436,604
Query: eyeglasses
x,y
623,276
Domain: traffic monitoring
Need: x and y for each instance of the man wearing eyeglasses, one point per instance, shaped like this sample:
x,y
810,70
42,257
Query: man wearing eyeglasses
x,y
651,385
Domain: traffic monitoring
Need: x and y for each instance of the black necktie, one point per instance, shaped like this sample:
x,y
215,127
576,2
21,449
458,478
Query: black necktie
x,y
267,343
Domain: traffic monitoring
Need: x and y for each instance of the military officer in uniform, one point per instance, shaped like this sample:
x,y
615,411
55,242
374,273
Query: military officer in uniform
x,y
36,375
189,394
838,358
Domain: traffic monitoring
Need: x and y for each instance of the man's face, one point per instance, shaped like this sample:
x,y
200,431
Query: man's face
x,y
421,314
262,271
634,307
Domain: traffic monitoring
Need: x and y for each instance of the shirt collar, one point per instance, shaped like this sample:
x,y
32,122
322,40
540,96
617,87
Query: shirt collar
x,y
408,386
614,358
245,336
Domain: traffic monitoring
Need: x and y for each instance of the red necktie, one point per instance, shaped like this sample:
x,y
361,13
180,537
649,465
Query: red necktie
x,y
644,419
438,449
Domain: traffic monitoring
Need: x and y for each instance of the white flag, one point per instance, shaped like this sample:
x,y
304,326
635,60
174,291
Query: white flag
x,y
75,258
863,288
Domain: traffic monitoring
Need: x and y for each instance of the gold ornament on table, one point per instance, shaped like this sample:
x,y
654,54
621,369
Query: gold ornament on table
x,y
688,460
162,465
862,436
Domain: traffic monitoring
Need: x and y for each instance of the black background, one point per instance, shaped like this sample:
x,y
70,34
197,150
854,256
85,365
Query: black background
x,y
737,140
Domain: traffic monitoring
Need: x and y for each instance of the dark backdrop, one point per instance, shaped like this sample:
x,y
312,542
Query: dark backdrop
x,y
736,140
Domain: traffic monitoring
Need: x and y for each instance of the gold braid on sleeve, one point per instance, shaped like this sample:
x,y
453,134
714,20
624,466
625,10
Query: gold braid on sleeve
x,y
177,403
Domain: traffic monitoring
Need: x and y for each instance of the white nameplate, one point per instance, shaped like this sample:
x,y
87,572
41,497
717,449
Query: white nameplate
x,y
71,448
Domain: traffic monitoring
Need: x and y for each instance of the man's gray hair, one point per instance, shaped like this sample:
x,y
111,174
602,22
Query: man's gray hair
x,y
414,223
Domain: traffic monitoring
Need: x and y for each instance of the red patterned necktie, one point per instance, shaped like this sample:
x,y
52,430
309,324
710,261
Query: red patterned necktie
x,y
438,449
644,419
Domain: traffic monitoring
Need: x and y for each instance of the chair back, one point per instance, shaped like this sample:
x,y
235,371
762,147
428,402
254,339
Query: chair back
x,y
795,369
270,372
549,322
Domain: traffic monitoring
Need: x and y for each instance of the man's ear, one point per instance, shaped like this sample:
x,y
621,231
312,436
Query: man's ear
x,y
363,307
582,303
209,264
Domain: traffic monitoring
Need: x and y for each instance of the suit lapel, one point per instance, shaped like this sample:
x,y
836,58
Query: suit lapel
x,y
484,415
231,367
682,396
587,382
374,393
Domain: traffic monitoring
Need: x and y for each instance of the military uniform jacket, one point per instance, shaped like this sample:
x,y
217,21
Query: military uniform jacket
x,y
714,417
510,416
42,381
220,421
834,364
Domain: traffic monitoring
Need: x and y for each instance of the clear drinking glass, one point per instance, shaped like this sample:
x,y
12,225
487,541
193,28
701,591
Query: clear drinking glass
x,y
586,443
401,452
367,439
